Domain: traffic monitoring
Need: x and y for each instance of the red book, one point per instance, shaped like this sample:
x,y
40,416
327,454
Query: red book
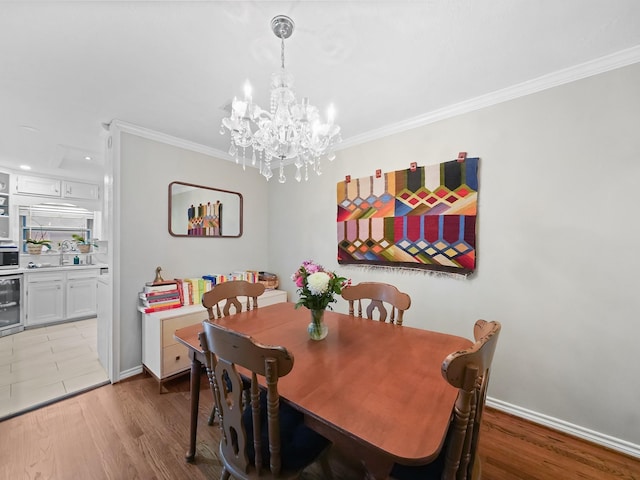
x,y
159,309
180,289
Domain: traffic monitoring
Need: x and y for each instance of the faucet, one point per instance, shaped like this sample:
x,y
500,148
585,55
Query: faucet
x,y
65,246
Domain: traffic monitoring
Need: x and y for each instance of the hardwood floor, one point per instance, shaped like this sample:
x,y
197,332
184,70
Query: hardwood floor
x,y
129,431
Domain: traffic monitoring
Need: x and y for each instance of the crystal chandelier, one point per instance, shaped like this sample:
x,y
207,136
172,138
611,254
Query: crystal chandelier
x,y
289,132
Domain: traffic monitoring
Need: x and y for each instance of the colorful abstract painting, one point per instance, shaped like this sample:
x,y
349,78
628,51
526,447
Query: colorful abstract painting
x,y
423,219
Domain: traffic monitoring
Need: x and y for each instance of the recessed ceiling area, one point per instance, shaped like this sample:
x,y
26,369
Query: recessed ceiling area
x,y
170,66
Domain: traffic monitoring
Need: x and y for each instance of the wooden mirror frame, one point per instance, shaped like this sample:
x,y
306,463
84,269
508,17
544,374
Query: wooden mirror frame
x,y
199,199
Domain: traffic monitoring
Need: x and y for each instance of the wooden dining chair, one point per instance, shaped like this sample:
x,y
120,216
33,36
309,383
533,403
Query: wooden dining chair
x,y
228,292
468,370
266,439
378,295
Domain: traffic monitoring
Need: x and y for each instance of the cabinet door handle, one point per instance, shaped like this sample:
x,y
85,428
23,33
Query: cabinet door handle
x,y
177,357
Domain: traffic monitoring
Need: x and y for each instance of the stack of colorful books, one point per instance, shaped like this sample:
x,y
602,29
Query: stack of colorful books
x,y
158,297
192,289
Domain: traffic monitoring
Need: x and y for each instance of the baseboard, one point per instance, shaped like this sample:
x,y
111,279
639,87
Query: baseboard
x,y
607,441
130,373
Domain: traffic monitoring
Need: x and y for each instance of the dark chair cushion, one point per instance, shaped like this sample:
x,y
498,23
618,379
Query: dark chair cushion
x,y
299,444
246,383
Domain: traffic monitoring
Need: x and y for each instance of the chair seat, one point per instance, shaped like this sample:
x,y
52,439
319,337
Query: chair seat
x,y
299,444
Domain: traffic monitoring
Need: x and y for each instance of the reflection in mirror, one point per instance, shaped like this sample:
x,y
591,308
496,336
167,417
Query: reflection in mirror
x,y
198,211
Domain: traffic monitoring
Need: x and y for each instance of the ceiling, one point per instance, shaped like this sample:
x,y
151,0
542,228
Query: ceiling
x,y
67,68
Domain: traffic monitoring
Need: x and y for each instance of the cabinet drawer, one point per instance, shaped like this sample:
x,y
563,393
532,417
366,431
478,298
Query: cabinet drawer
x,y
170,325
175,358
82,274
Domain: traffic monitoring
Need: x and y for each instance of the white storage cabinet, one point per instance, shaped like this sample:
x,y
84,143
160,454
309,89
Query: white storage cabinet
x,y
162,356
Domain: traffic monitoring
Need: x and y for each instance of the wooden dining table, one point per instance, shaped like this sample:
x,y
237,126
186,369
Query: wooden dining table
x,y
374,389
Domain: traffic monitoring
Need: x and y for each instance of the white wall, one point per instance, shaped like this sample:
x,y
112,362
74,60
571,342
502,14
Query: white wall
x,y
557,245
146,169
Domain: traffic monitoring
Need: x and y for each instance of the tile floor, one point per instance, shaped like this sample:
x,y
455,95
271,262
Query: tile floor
x,y
43,364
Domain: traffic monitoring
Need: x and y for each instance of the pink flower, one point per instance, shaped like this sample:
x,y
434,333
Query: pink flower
x,y
316,286
312,268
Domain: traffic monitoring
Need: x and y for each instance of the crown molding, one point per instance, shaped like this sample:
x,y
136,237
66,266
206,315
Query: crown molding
x,y
604,64
168,139
560,77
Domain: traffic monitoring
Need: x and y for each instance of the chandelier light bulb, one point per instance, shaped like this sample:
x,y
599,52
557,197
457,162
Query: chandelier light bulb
x,y
331,114
288,132
247,91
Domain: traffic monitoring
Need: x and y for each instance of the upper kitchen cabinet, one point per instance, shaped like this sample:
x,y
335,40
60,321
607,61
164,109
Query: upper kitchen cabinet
x,y
51,187
28,185
79,190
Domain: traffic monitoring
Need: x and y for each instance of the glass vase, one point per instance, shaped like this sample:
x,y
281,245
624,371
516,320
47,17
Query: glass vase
x,y
317,328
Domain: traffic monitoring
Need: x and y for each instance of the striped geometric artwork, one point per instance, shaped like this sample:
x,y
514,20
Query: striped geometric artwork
x,y
424,219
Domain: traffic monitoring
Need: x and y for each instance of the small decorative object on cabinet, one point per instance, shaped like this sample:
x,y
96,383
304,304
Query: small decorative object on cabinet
x,y
162,356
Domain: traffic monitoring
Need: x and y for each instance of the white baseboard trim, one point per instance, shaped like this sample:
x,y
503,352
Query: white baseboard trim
x,y
607,441
130,373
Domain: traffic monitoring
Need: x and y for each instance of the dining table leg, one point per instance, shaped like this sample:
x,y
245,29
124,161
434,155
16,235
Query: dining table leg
x,y
196,369
376,469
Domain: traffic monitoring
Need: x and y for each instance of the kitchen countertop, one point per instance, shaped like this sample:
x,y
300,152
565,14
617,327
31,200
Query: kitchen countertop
x,y
54,268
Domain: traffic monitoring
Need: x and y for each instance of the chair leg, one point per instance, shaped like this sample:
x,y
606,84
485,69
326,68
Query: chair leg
x,y
212,416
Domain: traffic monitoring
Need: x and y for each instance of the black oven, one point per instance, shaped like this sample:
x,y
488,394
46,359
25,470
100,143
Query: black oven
x,y
9,257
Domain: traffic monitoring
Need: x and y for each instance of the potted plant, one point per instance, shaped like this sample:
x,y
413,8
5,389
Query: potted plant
x,y
83,245
34,245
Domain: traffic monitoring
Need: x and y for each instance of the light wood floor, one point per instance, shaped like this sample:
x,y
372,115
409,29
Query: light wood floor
x,y
129,431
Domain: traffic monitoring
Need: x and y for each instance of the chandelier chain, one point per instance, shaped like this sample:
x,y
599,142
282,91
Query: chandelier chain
x,y
282,51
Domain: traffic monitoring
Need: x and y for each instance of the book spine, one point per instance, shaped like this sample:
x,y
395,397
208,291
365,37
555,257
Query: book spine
x,y
151,301
180,290
159,288
170,294
161,304
159,309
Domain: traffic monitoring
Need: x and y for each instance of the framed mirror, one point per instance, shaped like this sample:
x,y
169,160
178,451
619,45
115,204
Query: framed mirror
x,y
199,211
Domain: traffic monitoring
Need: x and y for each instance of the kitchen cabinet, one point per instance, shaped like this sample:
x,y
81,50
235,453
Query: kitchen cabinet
x,y
52,187
61,295
45,298
79,190
162,356
81,294
29,185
